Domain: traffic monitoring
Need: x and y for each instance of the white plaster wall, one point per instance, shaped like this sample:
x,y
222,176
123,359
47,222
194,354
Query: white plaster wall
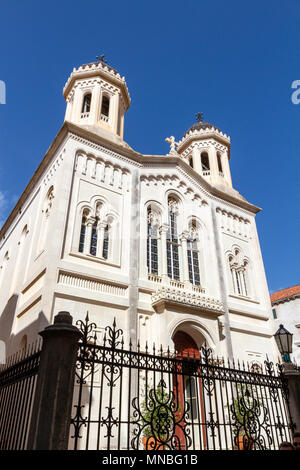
x,y
288,313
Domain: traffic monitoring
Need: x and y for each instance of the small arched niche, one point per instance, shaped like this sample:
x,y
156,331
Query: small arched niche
x,y
205,163
105,106
86,103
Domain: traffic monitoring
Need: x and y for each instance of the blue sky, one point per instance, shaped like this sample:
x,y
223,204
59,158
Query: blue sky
x,y
235,61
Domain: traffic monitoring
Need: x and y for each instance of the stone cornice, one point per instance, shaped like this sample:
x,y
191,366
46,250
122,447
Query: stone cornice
x,y
119,149
97,69
203,134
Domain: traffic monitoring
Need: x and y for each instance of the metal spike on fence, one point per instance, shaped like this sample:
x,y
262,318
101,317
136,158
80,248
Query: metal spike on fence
x,y
87,317
146,347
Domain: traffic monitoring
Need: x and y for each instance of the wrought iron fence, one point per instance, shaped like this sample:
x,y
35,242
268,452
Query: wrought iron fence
x,y
134,399
17,388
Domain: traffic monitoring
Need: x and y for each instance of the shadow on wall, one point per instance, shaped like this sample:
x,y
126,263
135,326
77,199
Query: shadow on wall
x,y
11,343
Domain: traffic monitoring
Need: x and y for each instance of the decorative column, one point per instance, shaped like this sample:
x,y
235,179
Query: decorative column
x,y
115,112
77,103
233,271
88,235
164,264
100,238
197,160
51,415
94,113
226,168
214,172
184,237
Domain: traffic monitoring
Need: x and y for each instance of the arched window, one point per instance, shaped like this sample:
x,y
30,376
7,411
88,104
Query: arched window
x,y
106,242
205,163
172,241
47,207
86,104
152,235
82,234
94,238
105,106
193,256
238,267
219,164
96,232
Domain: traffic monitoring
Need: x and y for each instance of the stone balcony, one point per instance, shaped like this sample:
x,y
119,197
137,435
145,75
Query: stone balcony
x,y
187,295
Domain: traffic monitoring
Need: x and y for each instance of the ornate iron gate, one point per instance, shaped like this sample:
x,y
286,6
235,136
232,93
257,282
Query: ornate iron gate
x,y
134,399
17,389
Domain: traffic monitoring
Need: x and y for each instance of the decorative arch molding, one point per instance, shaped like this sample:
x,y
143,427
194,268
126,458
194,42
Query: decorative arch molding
x,y
240,271
111,154
96,231
44,218
204,145
102,170
232,222
173,183
196,329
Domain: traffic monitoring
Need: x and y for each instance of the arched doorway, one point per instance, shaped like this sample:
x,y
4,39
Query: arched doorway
x,y
189,389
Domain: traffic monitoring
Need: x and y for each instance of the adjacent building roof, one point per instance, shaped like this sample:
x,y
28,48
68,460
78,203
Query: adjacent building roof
x,y
285,294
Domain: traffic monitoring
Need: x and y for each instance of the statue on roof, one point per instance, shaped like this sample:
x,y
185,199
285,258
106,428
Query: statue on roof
x,y
173,144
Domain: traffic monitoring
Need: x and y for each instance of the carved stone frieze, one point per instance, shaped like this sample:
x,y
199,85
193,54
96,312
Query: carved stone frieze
x,y
169,294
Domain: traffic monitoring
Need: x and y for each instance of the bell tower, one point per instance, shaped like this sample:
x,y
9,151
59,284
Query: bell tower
x,y
97,99
207,150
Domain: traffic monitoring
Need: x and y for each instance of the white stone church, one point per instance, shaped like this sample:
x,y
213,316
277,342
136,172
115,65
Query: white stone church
x,y
162,243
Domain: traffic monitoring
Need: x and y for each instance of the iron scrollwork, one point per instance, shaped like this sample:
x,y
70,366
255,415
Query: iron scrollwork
x,y
160,419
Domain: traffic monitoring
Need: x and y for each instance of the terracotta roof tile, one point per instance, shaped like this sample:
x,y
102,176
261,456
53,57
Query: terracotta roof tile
x,y
285,293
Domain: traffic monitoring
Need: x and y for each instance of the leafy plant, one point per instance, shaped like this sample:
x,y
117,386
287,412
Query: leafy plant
x,y
156,413
245,410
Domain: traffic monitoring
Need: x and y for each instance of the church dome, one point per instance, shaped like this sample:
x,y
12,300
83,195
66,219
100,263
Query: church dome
x,y
200,125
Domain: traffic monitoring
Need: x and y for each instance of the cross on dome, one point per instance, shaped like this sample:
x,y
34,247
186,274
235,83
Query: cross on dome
x,y
101,58
199,117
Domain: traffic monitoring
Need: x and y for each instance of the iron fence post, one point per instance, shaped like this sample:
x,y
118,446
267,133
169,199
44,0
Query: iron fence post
x,y
51,413
292,376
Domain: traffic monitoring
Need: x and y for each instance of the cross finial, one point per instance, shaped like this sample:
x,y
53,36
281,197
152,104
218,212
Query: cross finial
x,y
101,59
199,117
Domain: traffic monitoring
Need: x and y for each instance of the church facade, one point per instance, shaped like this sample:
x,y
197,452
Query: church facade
x,y
162,243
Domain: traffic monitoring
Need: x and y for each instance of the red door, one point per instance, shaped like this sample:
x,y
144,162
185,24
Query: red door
x,y
188,388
